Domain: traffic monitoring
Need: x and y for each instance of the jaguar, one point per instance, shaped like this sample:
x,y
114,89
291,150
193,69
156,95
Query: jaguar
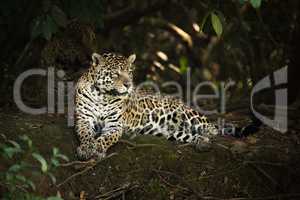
x,y
107,105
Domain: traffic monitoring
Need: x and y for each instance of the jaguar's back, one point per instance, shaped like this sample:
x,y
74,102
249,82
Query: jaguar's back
x,y
166,116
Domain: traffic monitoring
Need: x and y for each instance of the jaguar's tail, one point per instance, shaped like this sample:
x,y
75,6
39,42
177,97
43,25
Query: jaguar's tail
x,y
241,132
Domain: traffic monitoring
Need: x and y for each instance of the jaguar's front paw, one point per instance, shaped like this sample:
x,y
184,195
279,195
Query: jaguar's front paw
x,y
85,152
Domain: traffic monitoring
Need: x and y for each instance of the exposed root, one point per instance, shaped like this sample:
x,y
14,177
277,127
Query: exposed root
x,y
91,164
134,146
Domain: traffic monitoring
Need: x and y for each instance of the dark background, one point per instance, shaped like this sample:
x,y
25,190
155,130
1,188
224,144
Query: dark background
x,y
254,41
238,40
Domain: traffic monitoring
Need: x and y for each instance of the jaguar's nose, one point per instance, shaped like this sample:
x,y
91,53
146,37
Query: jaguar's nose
x,y
127,84
125,79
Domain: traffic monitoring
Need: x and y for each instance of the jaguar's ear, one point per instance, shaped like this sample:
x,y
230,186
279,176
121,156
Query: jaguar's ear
x,y
131,58
97,59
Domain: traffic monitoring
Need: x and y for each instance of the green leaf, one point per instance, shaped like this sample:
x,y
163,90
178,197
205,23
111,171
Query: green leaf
x,y
26,139
21,178
255,3
183,63
55,162
62,157
15,168
15,144
55,151
38,157
31,184
52,177
204,21
11,151
216,23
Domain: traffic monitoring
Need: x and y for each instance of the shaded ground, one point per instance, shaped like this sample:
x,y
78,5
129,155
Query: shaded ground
x,y
264,166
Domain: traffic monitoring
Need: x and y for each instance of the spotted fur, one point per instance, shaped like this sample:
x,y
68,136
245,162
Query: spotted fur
x,y
107,106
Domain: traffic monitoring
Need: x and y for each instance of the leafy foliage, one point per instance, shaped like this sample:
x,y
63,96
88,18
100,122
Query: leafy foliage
x,y
44,26
54,17
18,179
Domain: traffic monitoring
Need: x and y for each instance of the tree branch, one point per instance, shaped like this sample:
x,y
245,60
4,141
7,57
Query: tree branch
x,y
131,14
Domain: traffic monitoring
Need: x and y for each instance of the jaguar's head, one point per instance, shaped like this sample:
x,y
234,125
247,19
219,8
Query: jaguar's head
x,y
113,73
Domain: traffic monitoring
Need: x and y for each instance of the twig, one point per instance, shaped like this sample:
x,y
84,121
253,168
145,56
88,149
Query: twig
x,y
184,145
182,180
117,192
145,145
127,142
222,146
265,163
182,34
214,143
93,164
221,173
175,186
77,162
133,145
3,137
74,175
